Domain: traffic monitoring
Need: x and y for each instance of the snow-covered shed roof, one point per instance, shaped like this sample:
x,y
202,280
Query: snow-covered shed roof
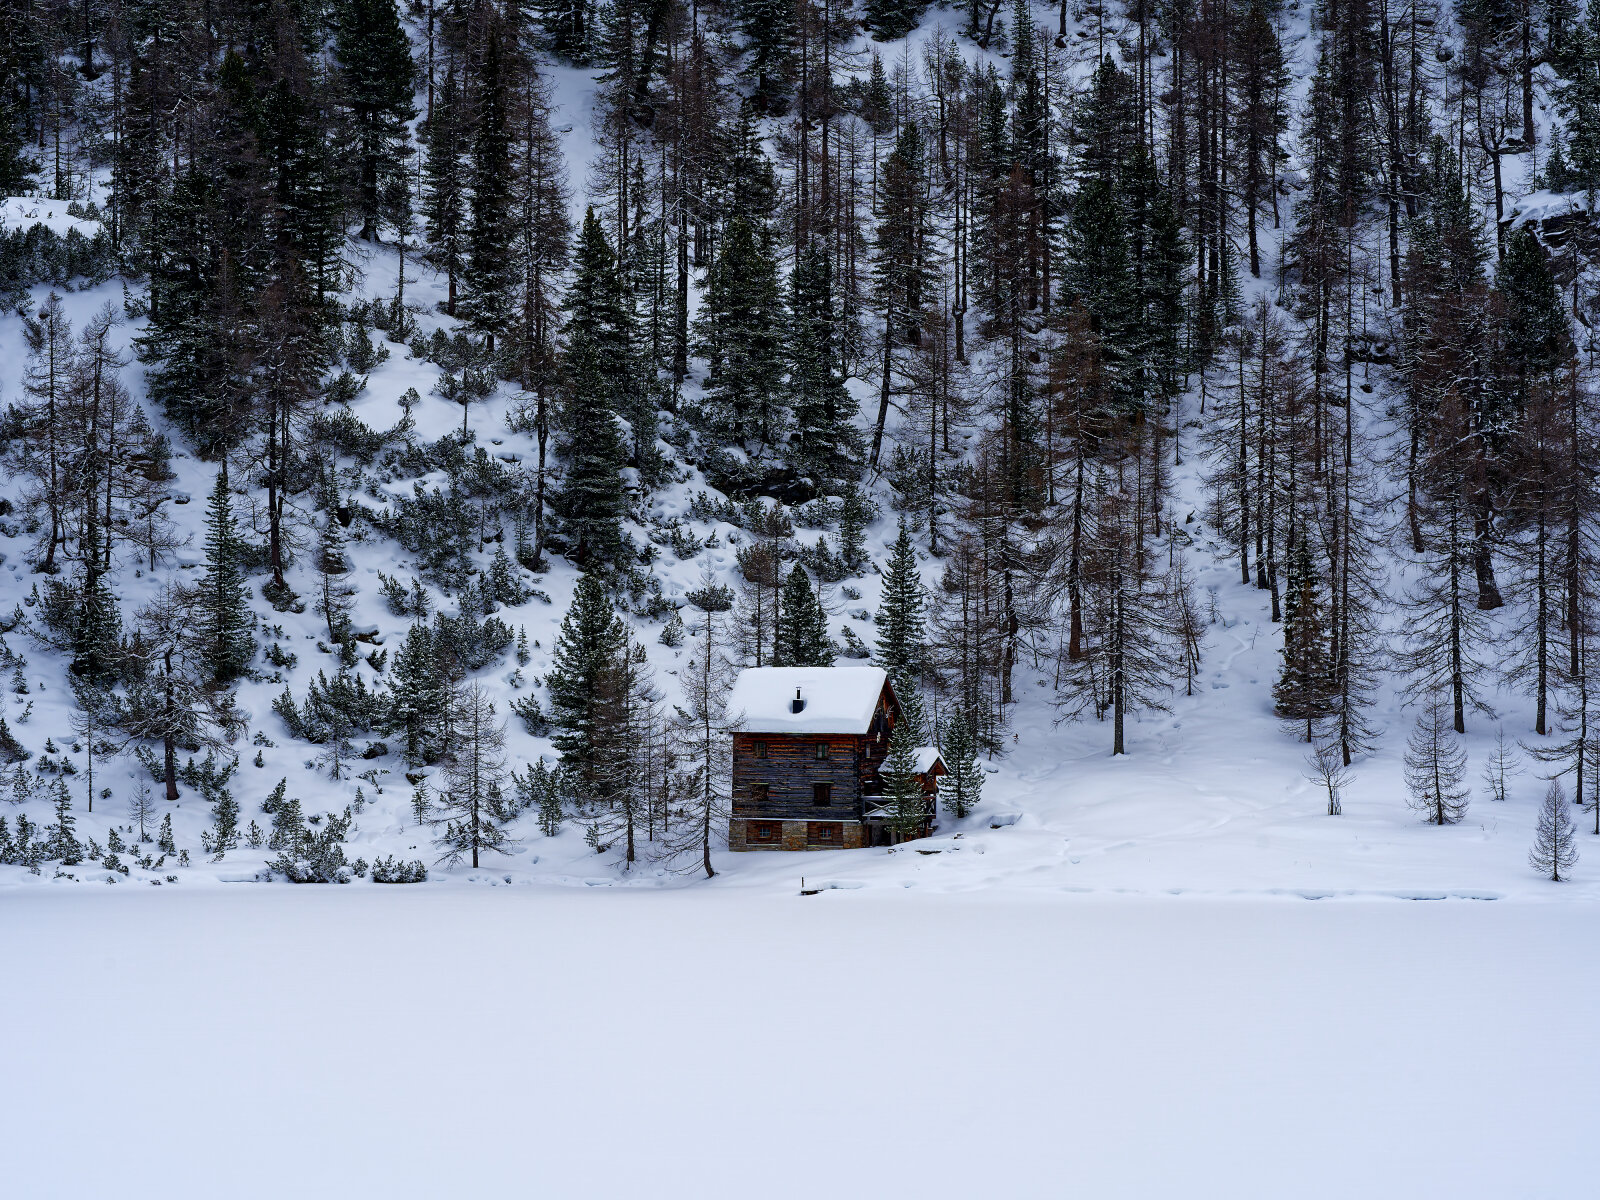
x,y
927,759
836,699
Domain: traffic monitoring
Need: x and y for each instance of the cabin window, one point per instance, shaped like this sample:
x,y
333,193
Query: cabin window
x,y
758,792
822,751
821,794
761,749
824,833
764,831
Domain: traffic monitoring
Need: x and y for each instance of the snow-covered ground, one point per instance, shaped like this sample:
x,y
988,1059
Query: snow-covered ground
x,y
533,1042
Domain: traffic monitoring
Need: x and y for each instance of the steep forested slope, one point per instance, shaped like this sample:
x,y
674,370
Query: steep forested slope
x,y
417,414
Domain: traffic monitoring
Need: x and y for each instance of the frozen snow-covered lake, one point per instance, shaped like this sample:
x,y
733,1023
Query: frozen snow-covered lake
x,y
247,1041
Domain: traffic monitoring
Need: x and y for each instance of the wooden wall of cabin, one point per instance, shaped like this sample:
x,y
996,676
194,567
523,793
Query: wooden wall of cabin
x,y
790,770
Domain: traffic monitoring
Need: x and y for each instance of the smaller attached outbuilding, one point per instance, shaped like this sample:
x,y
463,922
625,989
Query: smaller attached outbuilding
x,y
808,755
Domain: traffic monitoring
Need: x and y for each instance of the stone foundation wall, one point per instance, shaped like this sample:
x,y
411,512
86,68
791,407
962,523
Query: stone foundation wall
x,y
795,835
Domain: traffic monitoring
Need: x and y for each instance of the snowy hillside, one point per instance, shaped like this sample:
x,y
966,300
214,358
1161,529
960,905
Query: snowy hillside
x,y
1214,796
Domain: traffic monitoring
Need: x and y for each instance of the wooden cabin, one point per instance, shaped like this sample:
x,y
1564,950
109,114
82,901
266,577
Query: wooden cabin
x,y
807,757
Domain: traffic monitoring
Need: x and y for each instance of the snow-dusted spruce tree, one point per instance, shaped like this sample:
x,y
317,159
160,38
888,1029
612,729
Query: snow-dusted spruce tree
x,y
962,788
472,813
599,371
902,790
902,630
1436,766
418,696
445,207
740,333
222,611
702,727
224,832
1554,850
588,653
375,69
539,789
1302,694
802,638
824,443
63,843
491,274
170,698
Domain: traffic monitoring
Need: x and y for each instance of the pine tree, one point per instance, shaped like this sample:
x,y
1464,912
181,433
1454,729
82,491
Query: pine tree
x,y
97,631
164,842
740,330
588,654
572,28
1302,693
1554,846
1436,767
419,696
16,168
890,20
545,787
223,613
853,519
445,207
1264,78
769,30
962,788
376,71
224,832
900,619
903,798
802,636
824,441
490,275
599,370
1097,272
1537,334
902,265
288,821
1578,59
63,843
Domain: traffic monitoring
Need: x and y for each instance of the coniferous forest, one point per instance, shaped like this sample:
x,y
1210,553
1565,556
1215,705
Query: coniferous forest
x,y
414,414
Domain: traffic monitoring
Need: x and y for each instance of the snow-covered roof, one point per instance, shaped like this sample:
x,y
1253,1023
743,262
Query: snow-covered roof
x,y
836,699
927,759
